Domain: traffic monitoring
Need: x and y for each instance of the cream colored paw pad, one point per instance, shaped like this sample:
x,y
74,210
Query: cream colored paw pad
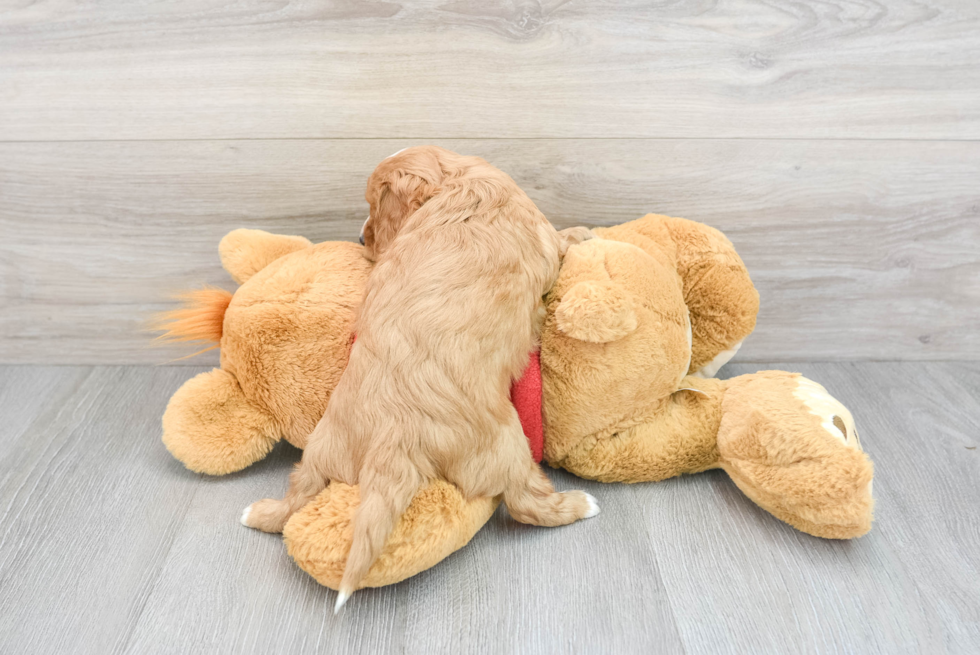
x,y
834,417
711,368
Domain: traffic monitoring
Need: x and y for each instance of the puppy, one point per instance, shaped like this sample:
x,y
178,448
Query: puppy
x,y
452,308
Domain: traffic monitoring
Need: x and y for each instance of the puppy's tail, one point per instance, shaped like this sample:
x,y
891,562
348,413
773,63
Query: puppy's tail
x,y
388,484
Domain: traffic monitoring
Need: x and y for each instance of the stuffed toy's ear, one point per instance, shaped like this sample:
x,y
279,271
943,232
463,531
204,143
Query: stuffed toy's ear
x,y
597,312
246,252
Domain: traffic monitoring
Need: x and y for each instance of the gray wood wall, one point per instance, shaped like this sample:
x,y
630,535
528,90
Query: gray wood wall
x,y
836,143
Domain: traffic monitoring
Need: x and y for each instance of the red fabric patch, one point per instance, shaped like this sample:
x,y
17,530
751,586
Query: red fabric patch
x,y
525,393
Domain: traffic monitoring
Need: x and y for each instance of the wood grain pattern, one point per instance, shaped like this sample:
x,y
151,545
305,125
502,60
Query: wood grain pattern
x,y
860,250
901,589
89,506
107,545
469,68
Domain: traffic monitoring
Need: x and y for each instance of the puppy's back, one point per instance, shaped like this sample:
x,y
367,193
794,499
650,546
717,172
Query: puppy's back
x,y
450,314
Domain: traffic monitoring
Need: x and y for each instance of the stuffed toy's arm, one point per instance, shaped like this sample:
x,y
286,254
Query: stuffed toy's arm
x,y
718,292
678,437
246,252
720,296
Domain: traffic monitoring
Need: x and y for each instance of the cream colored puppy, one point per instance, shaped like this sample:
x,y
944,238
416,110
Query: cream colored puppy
x,y
451,310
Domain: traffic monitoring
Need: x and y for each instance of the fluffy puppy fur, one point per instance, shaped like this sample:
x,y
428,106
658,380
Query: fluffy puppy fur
x,y
452,308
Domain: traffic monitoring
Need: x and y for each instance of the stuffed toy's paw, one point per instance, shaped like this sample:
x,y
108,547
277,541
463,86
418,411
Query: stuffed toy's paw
x,y
212,428
439,522
718,292
245,252
794,450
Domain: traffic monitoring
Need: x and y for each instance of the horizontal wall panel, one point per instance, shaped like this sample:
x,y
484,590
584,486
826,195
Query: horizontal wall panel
x,y
207,69
860,250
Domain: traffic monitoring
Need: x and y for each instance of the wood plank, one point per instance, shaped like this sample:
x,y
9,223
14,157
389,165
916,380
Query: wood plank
x,y
90,501
241,593
861,250
590,587
906,69
107,545
740,581
28,392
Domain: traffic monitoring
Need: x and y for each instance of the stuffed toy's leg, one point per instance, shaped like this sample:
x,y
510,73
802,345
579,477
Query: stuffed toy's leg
x,y
794,450
211,426
680,436
438,522
718,291
786,443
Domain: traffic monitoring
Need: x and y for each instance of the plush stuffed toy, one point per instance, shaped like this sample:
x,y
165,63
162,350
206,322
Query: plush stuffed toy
x,y
637,324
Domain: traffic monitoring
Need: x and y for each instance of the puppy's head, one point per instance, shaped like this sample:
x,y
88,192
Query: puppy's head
x,y
397,188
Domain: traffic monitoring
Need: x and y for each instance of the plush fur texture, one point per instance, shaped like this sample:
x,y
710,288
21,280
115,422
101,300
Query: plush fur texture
x,y
246,252
285,337
717,290
620,400
779,452
438,522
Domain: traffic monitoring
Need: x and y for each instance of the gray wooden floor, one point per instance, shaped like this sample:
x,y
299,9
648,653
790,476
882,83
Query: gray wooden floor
x,y
107,545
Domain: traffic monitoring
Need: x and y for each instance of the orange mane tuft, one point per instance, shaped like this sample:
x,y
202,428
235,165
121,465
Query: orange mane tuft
x,y
200,318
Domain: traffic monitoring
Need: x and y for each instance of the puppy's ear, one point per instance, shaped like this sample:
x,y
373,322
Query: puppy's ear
x,y
386,218
412,191
397,198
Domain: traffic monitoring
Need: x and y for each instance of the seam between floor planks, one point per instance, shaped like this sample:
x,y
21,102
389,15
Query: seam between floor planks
x,y
699,532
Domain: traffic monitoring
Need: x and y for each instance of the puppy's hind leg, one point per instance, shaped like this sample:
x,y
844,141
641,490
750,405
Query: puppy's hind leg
x,y
536,502
270,515
530,498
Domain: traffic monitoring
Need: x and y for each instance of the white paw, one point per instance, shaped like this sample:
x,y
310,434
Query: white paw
x,y
245,513
593,506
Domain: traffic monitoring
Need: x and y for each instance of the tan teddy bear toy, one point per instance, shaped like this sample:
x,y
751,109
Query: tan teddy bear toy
x,y
637,323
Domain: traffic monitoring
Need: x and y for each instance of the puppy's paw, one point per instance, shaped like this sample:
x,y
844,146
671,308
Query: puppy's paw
x,y
593,506
266,515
